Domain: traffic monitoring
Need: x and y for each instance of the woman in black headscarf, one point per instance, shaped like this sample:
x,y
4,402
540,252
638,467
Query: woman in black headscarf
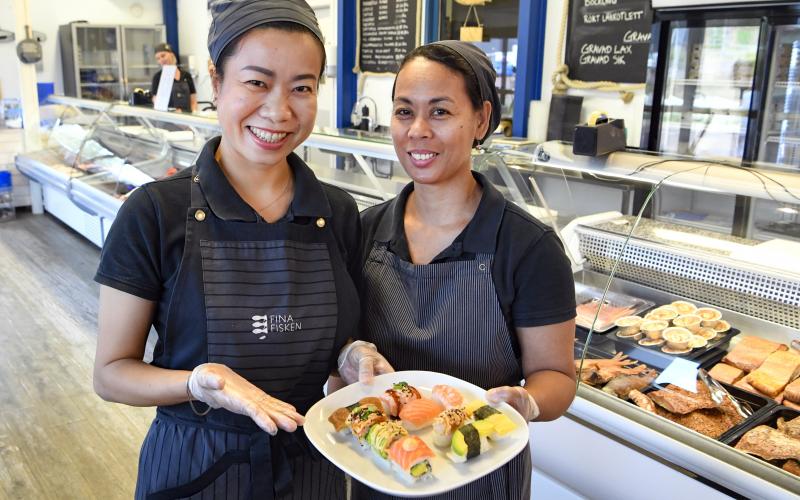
x,y
458,280
244,266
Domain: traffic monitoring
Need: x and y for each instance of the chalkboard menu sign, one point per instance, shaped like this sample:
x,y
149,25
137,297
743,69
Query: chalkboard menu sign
x,y
609,40
387,30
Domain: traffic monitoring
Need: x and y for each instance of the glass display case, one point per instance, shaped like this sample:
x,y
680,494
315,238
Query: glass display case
x,y
106,62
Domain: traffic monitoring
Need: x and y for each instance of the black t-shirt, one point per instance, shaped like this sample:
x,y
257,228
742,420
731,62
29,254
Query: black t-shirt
x,y
531,272
143,251
185,77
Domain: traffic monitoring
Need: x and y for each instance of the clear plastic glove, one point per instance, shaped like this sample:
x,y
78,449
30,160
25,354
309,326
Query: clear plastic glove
x,y
519,398
360,361
220,387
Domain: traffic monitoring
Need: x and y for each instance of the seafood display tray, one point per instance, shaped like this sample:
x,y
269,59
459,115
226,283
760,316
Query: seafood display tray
x,y
607,345
585,293
769,417
759,404
718,343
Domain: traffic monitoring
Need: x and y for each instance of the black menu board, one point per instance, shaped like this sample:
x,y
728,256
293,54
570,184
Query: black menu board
x,y
609,40
387,30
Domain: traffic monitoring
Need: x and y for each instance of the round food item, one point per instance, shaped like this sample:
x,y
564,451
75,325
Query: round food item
x,y
630,336
706,333
664,313
628,324
651,342
654,328
722,326
684,307
669,350
691,322
710,316
697,341
677,337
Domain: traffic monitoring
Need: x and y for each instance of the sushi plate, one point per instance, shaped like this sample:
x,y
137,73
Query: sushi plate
x,y
367,468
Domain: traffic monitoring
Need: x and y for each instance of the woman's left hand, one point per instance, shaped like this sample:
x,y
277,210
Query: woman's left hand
x,y
518,397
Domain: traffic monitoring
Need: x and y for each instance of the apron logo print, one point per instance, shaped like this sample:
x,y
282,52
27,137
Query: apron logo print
x,y
274,323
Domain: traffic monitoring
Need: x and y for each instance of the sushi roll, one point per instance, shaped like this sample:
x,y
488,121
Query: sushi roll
x,y
419,413
400,394
502,425
410,456
381,436
445,424
447,396
469,441
338,418
363,417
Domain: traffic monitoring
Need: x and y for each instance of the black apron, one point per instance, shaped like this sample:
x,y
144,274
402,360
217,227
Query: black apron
x,y
445,317
180,96
269,292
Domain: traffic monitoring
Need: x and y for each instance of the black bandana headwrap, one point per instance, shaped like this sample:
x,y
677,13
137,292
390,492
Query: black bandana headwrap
x,y
231,18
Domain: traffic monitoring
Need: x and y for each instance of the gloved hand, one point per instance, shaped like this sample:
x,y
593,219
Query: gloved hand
x,y
360,361
220,387
519,398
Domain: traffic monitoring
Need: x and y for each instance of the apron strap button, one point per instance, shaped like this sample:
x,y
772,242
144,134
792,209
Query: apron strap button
x,y
200,216
196,178
320,223
481,266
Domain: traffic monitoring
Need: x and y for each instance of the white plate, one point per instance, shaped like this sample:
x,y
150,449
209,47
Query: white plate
x,y
366,467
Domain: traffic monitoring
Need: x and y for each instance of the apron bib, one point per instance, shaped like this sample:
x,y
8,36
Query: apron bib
x,y
445,317
180,97
269,298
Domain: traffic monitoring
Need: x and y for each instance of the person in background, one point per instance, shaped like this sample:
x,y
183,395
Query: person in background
x,y
183,96
244,264
457,279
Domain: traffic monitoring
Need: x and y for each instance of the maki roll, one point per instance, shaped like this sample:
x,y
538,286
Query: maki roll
x,y
363,417
469,441
502,425
446,424
410,456
381,436
400,394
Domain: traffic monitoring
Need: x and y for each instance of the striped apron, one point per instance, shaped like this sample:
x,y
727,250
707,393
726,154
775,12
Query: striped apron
x,y
261,299
445,317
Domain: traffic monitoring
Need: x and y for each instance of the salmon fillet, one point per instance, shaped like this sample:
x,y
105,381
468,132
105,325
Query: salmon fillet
x,y
792,392
751,351
726,373
792,466
790,428
769,444
710,422
775,373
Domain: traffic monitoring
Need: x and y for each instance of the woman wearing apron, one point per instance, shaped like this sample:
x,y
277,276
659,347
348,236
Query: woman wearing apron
x,y
458,280
244,266
183,96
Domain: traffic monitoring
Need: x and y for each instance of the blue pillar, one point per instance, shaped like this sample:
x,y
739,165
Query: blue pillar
x,y
346,79
528,85
432,13
170,9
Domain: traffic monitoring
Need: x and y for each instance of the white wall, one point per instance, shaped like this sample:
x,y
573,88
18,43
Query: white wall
x,y
47,15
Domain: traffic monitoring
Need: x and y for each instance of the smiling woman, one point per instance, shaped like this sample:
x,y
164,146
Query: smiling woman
x,y
244,266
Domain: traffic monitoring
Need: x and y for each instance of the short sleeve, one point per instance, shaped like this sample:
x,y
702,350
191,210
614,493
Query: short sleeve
x,y
543,285
190,81
131,258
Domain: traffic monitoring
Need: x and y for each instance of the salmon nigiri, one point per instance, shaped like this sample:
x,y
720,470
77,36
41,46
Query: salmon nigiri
x,y
410,456
419,413
448,396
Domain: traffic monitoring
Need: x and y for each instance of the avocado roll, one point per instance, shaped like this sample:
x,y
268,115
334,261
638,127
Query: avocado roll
x,y
381,436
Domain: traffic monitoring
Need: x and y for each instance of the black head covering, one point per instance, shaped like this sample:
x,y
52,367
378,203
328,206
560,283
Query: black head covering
x,y
164,47
231,18
484,73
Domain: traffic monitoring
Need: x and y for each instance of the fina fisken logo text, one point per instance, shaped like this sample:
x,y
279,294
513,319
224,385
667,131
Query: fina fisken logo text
x,y
274,323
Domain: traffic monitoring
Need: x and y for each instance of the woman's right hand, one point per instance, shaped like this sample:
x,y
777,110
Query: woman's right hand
x,y
220,387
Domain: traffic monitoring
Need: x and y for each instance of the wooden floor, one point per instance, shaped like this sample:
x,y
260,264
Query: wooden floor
x,y
57,438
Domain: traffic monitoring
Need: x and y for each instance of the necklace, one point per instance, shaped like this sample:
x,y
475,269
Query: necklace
x,y
283,193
